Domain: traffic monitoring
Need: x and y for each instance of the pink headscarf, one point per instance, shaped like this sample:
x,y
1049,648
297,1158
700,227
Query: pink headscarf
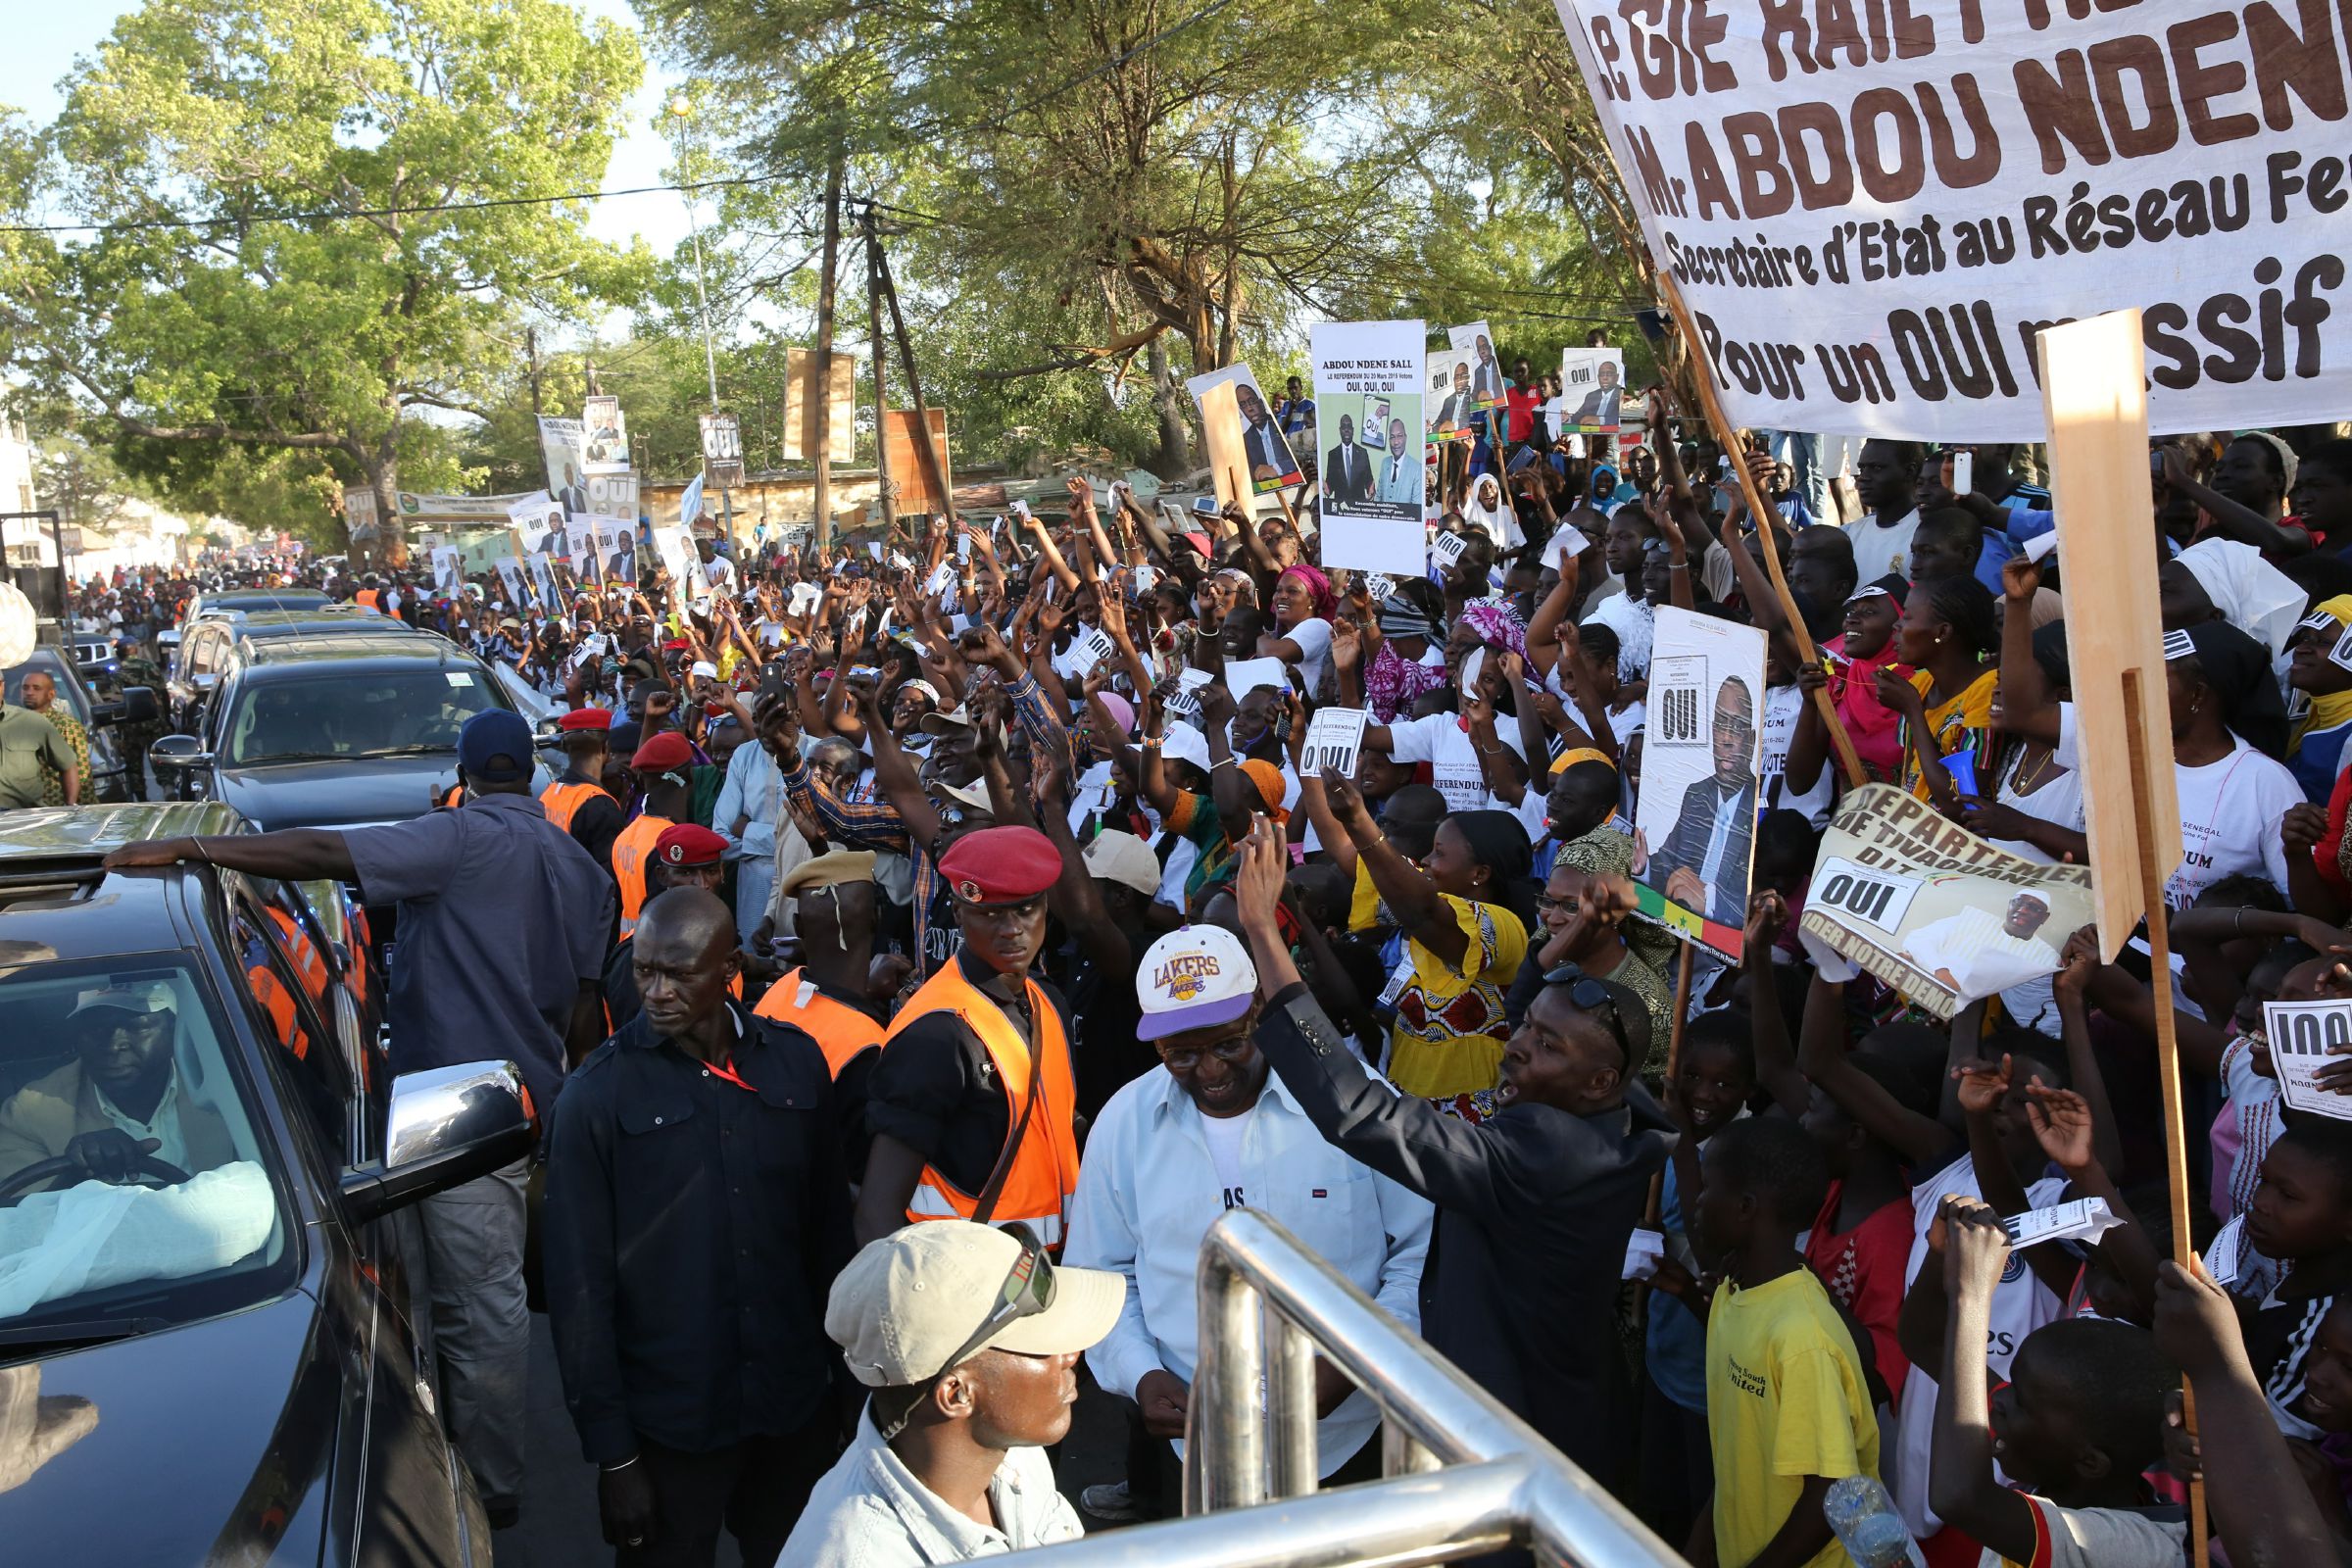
x,y
1327,603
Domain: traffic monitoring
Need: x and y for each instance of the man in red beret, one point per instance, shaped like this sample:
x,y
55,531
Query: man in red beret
x,y
664,768
686,855
577,802
971,1104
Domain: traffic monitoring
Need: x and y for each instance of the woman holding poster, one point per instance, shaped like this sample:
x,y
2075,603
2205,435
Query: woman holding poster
x,y
1465,916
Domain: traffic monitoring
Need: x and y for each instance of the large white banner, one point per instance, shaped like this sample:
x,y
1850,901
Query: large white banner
x,y
1371,443
1872,208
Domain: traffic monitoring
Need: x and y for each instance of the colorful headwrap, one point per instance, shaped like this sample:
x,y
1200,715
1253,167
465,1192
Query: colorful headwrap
x,y
1327,603
1603,852
1498,626
1400,616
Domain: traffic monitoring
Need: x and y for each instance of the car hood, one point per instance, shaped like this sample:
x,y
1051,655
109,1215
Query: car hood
x,y
175,1446
346,793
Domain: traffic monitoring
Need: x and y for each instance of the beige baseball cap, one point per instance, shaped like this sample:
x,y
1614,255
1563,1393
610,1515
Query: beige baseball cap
x,y
1117,856
910,1300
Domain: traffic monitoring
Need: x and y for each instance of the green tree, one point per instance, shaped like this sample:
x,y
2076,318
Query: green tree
x,y
259,356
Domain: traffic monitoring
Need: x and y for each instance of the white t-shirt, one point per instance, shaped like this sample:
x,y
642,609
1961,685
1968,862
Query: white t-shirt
x,y
1879,551
1223,1135
2021,1303
1313,637
1783,706
1453,762
2230,815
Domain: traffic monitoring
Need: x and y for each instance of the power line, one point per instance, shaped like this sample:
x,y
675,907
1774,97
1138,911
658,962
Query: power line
x,y
328,214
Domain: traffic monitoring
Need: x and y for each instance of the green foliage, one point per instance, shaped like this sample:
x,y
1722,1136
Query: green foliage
x,y
255,364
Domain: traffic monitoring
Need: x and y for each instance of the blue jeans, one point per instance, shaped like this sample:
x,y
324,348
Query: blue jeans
x,y
1802,451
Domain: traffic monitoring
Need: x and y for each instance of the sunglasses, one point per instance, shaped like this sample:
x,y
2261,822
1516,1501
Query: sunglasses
x,y
1027,1290
1594,997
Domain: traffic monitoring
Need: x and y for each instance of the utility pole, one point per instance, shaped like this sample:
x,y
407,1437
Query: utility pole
x,y
682,109
530,343
914,389
822,392
873,307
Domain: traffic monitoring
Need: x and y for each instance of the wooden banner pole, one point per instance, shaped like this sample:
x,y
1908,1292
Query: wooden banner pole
x,y
1726,435
2152,877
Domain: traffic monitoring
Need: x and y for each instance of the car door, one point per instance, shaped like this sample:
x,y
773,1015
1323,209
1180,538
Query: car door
x,y
403,1495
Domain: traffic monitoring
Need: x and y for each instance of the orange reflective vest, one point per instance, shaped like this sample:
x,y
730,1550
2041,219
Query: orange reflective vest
x,y
840,1030
453,796
278,1002
564,800
1044,1170
308,962
368,598
630,850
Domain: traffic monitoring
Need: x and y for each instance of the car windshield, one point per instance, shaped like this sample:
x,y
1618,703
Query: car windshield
x,y
358,711
96,1058
68,690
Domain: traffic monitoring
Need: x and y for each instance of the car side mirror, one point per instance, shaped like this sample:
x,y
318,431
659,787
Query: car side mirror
x,y
177,754
447,1126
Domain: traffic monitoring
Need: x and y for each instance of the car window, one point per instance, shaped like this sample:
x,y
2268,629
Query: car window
x,y
361,711
131,1045
288,981
68,690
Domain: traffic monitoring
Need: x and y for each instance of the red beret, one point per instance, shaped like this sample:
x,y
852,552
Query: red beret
x,y
688,844
1000,865
586,719
662,753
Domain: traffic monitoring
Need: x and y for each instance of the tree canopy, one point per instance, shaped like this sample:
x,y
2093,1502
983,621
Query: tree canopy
x,y
299,259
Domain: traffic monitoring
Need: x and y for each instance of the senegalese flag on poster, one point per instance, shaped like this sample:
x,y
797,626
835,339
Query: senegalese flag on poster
x,y
1722,940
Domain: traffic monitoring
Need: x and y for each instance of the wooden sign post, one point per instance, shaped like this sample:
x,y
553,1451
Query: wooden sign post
x,y
2095,398
1725,437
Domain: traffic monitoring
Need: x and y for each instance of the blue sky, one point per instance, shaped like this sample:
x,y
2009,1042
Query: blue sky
x,y
44,40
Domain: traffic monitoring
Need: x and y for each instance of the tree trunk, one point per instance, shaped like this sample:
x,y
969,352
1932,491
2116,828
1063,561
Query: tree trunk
x,y
388,550
1175,438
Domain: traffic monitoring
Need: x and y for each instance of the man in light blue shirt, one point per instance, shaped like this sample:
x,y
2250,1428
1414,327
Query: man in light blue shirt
x,y
1208,1131
1400,475
749,805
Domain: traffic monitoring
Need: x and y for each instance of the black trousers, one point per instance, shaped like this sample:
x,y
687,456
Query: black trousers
x,y
755,1490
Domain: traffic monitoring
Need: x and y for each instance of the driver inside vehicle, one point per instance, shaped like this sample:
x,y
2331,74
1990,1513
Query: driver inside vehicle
x,y
119,1099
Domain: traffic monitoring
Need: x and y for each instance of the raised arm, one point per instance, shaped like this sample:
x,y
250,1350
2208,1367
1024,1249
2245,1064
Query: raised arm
x,y
2026,707
1411,897
1776,1058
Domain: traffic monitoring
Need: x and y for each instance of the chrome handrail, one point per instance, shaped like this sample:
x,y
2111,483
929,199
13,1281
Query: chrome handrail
x,y
1462,1475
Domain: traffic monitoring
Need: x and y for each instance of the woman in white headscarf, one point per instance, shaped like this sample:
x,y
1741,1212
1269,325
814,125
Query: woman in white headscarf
x,y
2221,579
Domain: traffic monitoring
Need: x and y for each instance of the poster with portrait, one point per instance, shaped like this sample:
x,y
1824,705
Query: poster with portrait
x,y
510,579
1454,417
603,436
1487,383
448,574
542,570
1934,911
579,549
539,524
616,552
1371,443
612,497
1694,824
1247,436
1592,397
563,445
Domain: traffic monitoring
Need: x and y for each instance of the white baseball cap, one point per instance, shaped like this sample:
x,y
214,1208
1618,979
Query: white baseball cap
x,y
1117,856
1185,744
1194,977
909,1300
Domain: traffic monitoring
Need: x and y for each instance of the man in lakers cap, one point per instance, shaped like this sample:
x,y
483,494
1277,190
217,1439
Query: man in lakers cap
x,y
969,1338
972,1105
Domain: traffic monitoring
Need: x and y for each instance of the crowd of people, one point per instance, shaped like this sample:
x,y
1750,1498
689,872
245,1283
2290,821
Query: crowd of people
x,y
912,927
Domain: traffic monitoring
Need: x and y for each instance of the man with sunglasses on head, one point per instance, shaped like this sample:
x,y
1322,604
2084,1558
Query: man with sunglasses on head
x,y
697,1213
969,1338
1535,1203
1173,1150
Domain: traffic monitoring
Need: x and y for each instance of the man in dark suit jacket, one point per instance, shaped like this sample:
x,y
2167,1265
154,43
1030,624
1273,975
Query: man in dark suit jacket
x,y
1262,444
1718,812
1347,472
